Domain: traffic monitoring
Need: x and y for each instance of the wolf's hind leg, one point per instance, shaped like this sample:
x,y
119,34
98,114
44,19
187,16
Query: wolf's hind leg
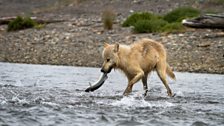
x,y
161,71
145,85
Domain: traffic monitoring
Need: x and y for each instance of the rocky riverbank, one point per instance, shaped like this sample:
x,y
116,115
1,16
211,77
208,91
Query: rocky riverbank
x,y
79,42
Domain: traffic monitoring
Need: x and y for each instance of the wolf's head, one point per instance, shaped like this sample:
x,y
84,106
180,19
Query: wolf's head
x,y
110,57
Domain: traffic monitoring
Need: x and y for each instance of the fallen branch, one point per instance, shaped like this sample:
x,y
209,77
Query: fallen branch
x,y
6,20
211,21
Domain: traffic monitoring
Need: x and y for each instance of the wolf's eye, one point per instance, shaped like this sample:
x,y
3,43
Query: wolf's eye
x,y
108,60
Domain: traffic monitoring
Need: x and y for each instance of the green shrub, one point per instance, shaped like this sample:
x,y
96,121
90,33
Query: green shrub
x,y
146,26
181,13
21,23
171,22
173,27
131,20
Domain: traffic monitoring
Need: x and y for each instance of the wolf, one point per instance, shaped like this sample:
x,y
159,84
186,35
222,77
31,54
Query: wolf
x,y
137,61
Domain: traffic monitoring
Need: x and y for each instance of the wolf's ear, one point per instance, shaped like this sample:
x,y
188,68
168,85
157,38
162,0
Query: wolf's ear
x,y
105,45
116,47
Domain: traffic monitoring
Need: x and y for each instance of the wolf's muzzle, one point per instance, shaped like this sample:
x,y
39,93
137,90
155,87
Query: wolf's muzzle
x,y
108,71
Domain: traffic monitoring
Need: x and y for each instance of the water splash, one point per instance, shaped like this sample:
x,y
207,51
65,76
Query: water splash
x,y
2,102
18,83
179,94
139,102
19,101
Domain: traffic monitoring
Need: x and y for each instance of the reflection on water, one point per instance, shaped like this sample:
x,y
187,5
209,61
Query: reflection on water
x,y
54,95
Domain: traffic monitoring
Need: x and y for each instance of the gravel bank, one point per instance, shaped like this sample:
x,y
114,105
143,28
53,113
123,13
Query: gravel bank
x,y
79,42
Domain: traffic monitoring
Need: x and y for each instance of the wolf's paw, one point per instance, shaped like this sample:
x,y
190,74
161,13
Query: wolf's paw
x,y
170,93
145,93
125,94
127,91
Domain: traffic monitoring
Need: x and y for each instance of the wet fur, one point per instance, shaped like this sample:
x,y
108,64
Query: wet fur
x,y
137,61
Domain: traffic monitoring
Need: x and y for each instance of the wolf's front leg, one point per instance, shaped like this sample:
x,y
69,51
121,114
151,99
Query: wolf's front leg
x,y
132,82
127,91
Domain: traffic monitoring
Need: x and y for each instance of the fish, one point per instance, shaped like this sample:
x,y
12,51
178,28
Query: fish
x,y
98,83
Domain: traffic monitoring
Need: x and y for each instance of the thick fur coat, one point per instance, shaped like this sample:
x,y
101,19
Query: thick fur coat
x,y
137,61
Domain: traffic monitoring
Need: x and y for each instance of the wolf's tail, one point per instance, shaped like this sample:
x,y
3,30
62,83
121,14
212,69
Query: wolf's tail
x,y
170,72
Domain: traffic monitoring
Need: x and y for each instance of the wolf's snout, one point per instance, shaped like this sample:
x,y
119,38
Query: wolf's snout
x,y
102,70
106,70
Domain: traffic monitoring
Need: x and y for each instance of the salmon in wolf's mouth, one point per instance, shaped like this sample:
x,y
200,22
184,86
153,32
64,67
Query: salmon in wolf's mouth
x,y
98,83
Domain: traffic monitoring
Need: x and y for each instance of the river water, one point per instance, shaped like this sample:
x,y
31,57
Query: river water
x,y
54,95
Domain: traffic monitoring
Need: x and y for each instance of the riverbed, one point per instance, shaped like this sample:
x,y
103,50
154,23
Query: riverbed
x,y
54,95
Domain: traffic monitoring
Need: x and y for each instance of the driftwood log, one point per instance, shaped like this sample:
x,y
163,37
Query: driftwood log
x,y
6,20
211,21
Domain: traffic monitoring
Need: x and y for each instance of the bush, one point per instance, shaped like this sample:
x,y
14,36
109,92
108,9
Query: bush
x,y
21,23
171,22
179,14
173,27
146,26
131,20
108,19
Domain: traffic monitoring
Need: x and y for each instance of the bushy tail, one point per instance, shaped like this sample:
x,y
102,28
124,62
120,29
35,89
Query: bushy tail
x,y
170,72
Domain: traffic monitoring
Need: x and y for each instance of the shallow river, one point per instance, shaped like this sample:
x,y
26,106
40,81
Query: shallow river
x,y
54,95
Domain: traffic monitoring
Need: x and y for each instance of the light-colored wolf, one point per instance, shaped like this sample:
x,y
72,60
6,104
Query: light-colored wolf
x,y
137,61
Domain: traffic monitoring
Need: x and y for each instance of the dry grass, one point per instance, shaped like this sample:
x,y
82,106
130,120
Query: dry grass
x,y
108,17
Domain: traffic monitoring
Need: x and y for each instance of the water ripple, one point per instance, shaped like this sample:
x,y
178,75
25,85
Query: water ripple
x,y
54,95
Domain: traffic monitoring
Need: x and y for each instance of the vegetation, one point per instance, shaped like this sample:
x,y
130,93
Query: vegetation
x,y
179,14
21,23
173,27
39,26
131,20
108,17
146,26
145,22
